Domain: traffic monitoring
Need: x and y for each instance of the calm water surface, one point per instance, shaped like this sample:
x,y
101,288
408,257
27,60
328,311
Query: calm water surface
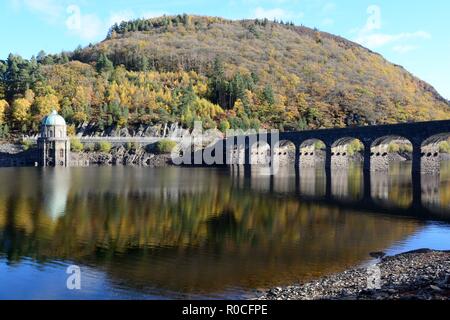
x,y
203,233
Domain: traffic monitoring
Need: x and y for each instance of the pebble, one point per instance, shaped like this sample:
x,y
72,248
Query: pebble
x,y
422,274
435,288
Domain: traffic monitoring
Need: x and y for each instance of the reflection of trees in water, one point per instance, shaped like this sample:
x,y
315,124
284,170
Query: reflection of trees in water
x,y
393,187
348,182
203,238
431,190
195,230
444,186
313,181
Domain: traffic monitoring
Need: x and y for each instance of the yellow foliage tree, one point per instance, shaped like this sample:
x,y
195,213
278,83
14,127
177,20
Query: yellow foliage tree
x,y
239,107
3,107
71,130
46,104
79,117
21,110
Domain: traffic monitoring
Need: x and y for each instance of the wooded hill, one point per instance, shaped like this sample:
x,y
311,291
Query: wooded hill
x,y
239,74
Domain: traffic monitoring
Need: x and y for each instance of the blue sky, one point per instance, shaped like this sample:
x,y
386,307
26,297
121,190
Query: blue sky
x,y
414,34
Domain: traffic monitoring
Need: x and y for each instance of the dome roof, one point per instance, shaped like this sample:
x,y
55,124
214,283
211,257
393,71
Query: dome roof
x,y
54,119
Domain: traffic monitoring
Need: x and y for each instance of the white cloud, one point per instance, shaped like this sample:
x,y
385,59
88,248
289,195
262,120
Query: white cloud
x,y
376,40
87,27
370,34
91,27
50,10
404,48
329,7
275,13
327,22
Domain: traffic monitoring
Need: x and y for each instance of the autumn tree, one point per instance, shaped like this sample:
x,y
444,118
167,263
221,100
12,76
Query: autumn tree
x,y
21,111
3,108
46,104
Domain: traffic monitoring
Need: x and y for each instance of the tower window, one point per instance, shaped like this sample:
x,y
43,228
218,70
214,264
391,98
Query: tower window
x,y
61,153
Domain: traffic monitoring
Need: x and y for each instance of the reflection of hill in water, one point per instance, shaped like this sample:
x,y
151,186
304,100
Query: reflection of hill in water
x,y
186,230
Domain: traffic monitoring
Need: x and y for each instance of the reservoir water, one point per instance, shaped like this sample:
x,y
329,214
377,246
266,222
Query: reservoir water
x,y
168,233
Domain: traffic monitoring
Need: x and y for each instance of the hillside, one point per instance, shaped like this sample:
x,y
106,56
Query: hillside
x,y
250,73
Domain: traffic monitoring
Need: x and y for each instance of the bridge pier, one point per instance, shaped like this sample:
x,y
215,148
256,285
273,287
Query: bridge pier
x,y
367,170
416,175
367,157
328,157
227,149
297,156
417,158
297,168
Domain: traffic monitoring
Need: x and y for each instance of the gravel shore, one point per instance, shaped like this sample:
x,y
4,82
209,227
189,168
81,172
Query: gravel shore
x,y
419,275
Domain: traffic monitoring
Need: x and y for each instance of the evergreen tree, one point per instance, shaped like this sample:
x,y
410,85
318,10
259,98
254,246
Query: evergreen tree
x,y
268,95
20,75
218,84
104,64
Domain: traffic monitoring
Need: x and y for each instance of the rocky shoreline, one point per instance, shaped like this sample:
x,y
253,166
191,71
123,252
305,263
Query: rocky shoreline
x,y
418,275
121,156
14,155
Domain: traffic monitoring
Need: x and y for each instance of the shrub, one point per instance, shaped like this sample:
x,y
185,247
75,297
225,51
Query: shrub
x,y
103,146
165,146
444,147
393,148
26,145
89,147
406,148
319,145
355,147
76,145
224,126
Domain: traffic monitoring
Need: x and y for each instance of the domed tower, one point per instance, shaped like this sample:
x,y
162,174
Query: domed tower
x,y
54,145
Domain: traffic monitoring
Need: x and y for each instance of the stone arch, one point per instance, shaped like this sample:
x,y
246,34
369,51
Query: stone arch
x,y
312,152
345,149
434,149
285,152
387,149
260,153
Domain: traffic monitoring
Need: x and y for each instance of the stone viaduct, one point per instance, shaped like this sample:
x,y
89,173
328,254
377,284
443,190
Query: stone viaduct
x,y
423,136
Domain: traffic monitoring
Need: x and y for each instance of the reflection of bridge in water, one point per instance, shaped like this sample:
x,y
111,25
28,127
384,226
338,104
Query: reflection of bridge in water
x,y
372,192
